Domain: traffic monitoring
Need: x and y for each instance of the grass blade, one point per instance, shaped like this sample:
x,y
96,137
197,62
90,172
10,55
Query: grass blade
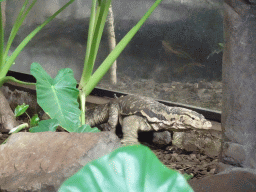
x,y
21,17
89,41
17,51
1,38
103,68
101,16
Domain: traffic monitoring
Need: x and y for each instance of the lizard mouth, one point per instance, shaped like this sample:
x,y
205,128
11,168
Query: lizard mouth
x,y
204,126
178,125
207,125
201,126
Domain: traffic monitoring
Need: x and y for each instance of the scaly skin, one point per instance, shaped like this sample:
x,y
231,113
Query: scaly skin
x,y
97,115
137,113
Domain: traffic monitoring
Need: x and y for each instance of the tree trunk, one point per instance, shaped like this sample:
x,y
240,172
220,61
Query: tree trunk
x,y
111,43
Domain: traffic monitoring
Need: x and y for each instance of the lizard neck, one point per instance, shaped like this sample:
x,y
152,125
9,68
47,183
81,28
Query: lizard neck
x,y
97,115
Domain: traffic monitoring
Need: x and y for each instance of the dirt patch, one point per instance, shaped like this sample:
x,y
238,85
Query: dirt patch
x,y
193,163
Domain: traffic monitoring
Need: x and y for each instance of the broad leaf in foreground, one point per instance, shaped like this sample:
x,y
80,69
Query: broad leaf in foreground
x,y
132,168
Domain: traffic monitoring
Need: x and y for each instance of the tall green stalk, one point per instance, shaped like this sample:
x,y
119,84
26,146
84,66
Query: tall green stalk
x,y
96,26
97,21
5,63
18,22
94,79
1,38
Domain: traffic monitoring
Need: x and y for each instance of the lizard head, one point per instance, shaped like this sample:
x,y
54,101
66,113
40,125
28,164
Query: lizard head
x,y
175,118
188,119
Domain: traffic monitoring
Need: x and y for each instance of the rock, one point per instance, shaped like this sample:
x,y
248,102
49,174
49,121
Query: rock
x,y
162,138
42,161
204,85
190,86
7,118
205,94
233,153
207,142
177,85
18,97
217,85
235,180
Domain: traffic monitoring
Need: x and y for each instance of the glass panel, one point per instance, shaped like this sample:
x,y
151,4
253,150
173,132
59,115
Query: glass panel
x,y
175,56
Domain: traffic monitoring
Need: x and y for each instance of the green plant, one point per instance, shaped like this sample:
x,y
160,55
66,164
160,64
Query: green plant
x,y
7,61
21,109
58,97
220,48
131,168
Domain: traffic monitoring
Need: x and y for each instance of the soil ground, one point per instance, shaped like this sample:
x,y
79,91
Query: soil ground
x,y
194,164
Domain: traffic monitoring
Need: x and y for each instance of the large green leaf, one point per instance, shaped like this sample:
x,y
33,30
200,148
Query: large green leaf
x,y
132,168
45,125
58,96
87,128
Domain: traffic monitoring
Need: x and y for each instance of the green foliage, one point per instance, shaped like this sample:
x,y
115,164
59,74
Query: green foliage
x,y
218,50
58,96
18,128
221,46
7,61
20,109
131,168
187,177
86,128
97,20
34,120
46,125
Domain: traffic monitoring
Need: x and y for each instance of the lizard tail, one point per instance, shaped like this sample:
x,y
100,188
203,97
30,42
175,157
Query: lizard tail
x,y
97,115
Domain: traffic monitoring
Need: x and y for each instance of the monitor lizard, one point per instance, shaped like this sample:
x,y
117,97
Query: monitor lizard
x,y
138,113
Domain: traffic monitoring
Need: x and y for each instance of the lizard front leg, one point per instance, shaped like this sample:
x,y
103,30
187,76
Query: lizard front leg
x,y
131,125
113,116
